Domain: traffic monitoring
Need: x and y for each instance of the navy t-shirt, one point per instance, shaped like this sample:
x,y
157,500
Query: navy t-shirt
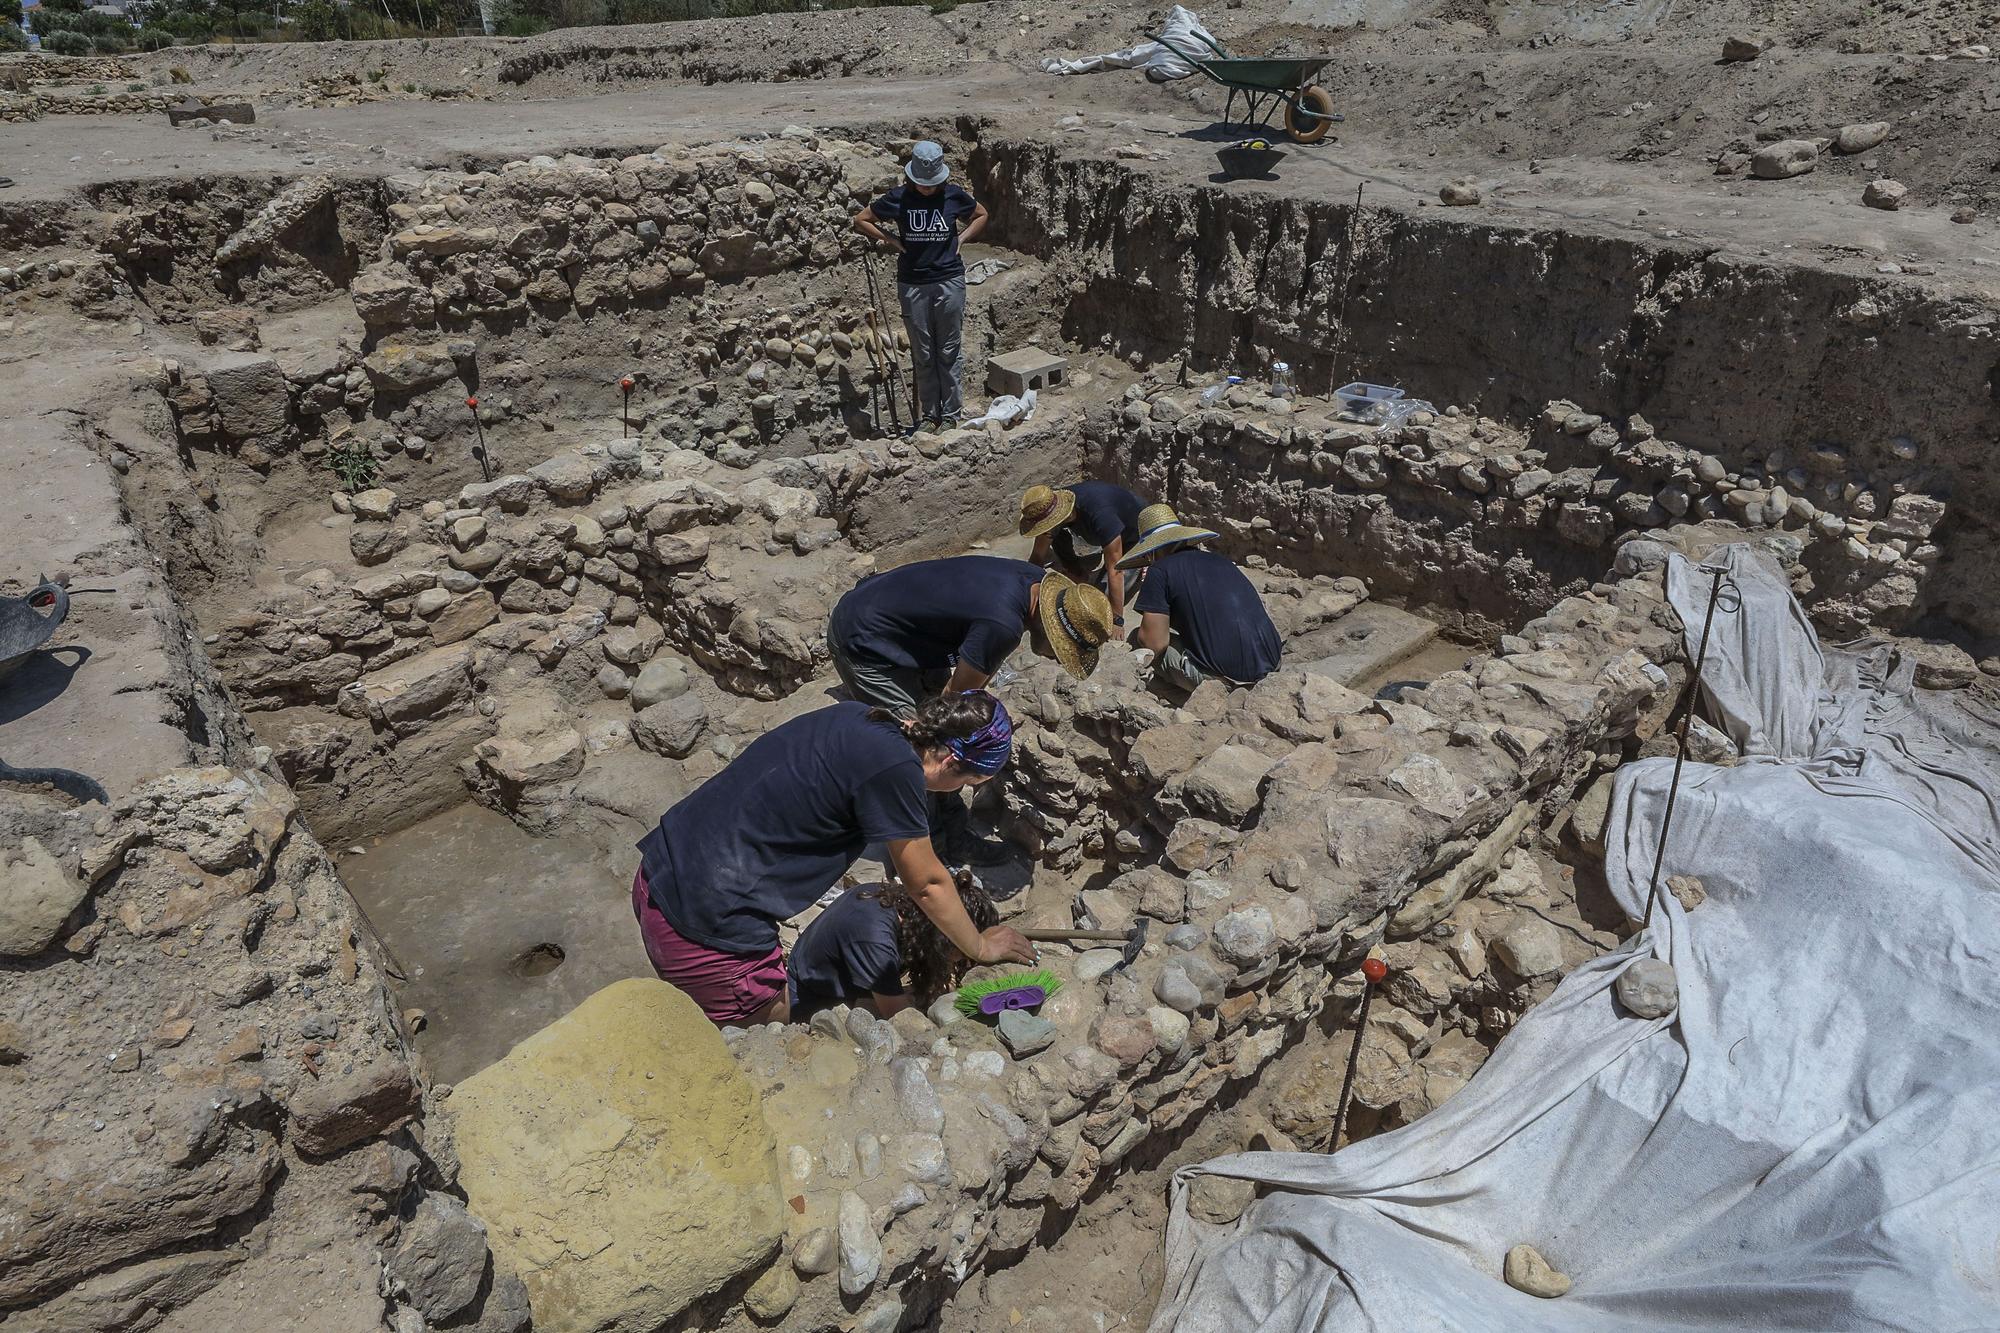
x,y
932,613
764,838
1210,603
1105,512
849,952
928,225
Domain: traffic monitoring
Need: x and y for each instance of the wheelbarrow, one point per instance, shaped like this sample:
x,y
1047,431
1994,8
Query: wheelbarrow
x,y
1266,83
27,622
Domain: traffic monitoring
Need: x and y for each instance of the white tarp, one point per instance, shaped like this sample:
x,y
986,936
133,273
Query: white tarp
x,y
1182,28
1811,1143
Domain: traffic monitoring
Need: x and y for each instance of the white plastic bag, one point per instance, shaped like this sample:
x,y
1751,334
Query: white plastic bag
x,y
1008,410
1182,28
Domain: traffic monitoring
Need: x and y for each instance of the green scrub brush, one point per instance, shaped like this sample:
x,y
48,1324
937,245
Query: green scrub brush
x,y
1016,990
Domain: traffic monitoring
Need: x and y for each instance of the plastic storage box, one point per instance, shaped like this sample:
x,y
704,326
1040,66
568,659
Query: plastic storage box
x,y
1365,402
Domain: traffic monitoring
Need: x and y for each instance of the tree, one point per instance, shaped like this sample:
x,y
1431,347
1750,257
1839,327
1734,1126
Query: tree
x,y
316,21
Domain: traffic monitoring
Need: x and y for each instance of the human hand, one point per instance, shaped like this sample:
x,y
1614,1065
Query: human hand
x,y
1004,944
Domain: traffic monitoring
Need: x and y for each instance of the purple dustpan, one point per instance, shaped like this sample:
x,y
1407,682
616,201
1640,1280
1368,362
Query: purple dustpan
x,y
1014,997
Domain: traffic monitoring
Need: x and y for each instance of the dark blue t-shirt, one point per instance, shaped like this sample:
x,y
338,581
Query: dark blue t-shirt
x,y
764,838
1211,605
935,612
1105,512
928,225
849,952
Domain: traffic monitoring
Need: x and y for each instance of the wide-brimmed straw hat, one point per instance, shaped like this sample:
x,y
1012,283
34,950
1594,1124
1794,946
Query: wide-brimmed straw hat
x,y
927,165
1076,620
1159,528
1045,508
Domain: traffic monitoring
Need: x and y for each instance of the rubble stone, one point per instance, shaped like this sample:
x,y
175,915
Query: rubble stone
x,y
569,1136
1526,1270
1648,989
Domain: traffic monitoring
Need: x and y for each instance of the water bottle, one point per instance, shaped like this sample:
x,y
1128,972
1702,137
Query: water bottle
x,y
1213,394
1281,380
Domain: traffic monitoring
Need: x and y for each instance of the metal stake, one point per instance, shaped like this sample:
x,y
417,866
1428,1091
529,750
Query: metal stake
x,y
485,463
626,385
1372,972
1681,740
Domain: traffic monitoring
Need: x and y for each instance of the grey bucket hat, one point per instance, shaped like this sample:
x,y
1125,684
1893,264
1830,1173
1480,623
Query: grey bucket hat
x,y
927,165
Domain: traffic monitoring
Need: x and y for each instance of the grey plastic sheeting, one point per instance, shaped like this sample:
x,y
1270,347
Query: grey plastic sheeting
x,y
1809,1143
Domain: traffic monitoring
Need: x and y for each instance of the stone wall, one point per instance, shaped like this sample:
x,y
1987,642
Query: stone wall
x,y
1289,828
1489,524
207,1083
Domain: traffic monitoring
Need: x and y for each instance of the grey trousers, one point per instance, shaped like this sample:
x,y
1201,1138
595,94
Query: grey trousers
x,y
898,689
934,314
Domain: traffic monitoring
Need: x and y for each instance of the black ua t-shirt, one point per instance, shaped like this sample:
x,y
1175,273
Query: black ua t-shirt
x,y
1209,602
928,225
849,952
935,612
1105,512
764,838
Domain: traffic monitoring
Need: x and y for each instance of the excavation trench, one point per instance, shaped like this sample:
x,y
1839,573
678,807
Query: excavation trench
x,y
484,691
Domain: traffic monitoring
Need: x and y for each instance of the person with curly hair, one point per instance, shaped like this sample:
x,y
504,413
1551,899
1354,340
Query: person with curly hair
x,y
760,841
875,947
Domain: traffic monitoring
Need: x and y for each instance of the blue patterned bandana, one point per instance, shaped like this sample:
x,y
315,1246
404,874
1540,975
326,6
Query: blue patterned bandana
x,y
987,749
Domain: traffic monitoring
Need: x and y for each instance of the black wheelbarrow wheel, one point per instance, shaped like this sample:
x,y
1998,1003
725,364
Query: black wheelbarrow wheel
x,y
1309,115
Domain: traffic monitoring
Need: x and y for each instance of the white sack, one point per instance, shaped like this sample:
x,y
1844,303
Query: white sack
x,y
1182,28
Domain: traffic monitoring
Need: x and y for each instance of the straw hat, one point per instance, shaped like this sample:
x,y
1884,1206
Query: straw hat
x,y
1159,528
1076,620
1044,509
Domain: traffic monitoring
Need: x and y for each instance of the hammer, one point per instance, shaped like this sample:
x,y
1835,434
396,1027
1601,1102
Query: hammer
x,y
1132,940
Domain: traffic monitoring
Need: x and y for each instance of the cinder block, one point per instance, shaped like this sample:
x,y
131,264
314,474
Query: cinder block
x,y
1030,368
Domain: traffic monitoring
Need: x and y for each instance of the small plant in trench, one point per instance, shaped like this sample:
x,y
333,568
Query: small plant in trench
x,y
353,464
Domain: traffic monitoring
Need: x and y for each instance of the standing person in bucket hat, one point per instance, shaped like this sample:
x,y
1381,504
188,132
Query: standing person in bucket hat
x,y
927,212
1198,614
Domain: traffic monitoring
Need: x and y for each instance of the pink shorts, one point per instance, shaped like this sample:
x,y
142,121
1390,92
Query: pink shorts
x,y
729,987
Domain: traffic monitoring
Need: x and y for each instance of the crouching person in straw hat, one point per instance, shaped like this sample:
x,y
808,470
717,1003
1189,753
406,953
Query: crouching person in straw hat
x,y
927,213
948,625
1067,521
760,841
1198,614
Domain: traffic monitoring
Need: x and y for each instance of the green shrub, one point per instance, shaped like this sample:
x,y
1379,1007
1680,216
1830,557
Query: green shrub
x,y
50,22
409,87
12,38
105,44
353,464
152,39
179,75
97,90
377,75
316,21
66,44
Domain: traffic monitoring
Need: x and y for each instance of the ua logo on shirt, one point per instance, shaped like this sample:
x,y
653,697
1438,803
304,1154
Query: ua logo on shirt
x,y
926,224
